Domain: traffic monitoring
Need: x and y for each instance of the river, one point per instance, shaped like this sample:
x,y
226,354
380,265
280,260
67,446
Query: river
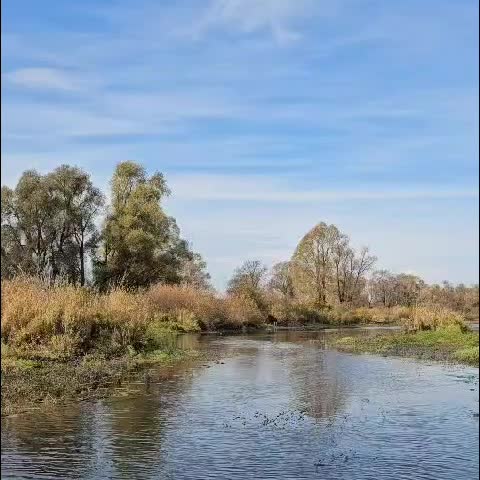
x,y
271,406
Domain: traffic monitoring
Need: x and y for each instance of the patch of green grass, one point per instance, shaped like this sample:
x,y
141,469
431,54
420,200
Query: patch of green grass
x,y
469,355
28,384
19,363
452,344
162,356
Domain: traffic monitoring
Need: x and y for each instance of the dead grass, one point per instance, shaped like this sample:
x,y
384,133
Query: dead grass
x,y
63,321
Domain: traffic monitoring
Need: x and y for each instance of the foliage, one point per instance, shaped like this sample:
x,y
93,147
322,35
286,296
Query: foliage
x,y
139,241
326,270
248,282
49,230
48,224
281,279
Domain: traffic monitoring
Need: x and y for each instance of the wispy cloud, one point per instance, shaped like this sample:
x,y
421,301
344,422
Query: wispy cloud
x,y
262,114
42,79
275,17
264,189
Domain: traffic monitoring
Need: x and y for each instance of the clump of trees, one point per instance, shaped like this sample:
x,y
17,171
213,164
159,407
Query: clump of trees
x,y
48,224
325,271
58,226
51,227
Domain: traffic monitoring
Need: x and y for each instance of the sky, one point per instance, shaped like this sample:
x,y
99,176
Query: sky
x,y
266,116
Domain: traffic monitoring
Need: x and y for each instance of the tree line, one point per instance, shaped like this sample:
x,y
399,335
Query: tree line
x,y
326,271
56,225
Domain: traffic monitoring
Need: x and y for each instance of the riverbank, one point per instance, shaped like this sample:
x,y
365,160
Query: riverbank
x,y
36,384
449,344
61,342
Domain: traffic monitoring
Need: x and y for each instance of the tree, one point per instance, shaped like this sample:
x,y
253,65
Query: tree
x,y
248,281
140,244
48,224
28,229
312,262
350,270
194,273
326,269
79,204
281,279
382,288
408,289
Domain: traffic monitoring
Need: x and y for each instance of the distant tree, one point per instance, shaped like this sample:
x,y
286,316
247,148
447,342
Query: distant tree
x,y
248,281
382,288
281,279
194,273
408,289
326,269
312,262
350,269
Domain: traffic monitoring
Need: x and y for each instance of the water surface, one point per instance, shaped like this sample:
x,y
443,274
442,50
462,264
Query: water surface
x,y
274,406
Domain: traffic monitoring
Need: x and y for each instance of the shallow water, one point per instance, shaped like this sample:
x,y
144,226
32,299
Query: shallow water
x,y
280,406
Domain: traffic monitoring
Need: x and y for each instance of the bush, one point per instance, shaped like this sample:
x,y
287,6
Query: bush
x,y
241,312
207,309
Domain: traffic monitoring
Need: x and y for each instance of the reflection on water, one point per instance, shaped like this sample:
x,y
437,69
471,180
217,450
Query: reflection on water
x,y
276,406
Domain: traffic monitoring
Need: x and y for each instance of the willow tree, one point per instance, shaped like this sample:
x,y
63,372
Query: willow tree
x,y
140,243
326,269
79,202
281,279
312,264
48,224
27,226
248,281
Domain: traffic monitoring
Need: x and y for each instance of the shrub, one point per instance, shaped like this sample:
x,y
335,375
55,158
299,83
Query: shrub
x,y
207,309
240,312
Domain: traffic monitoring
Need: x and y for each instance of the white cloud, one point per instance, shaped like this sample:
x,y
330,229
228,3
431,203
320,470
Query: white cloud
x,y
254,188
42,79
275,17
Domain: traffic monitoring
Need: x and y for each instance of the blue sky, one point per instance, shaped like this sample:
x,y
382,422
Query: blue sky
x,y
267,116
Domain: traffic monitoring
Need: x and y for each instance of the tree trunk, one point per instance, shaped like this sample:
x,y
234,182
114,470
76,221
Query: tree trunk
x,y
82,262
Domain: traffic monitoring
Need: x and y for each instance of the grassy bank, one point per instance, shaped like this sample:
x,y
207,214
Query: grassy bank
x,y
31,384
61,342
448,343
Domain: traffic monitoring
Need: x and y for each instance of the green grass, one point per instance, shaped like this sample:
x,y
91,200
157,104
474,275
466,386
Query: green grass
x,y
467,355
451,344
31,384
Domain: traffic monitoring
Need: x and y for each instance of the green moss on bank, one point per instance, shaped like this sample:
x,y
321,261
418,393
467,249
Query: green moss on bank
x,y
31,384
450,344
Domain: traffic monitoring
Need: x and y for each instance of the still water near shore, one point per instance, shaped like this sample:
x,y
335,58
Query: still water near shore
x,y
272,406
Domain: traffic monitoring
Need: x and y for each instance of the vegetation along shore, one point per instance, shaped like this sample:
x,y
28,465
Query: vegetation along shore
x,y
84,306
